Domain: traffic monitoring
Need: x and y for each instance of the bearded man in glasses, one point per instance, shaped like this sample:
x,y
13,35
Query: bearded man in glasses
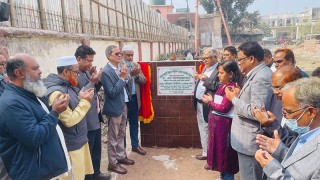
x,y
73,120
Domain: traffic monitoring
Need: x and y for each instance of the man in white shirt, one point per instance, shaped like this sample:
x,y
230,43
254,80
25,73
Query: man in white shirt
x,y
206,82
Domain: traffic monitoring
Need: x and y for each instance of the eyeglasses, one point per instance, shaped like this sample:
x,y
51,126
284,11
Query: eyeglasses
x,y
285,112
76,72
277,88
226,54
278,61
240,59
129,55
118,54
3,64
206,58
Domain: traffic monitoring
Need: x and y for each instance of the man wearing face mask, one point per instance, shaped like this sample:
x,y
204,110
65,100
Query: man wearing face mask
x,y
301,104
72,120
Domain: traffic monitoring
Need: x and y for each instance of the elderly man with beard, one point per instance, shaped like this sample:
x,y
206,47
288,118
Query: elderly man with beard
x,y
72,120
30,147
137,79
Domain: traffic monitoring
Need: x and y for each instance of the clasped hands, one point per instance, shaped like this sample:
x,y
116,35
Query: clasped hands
x,y
198,76
267,147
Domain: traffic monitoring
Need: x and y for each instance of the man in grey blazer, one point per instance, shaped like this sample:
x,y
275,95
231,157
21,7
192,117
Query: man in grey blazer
x,y
301,104
114,79
206,82
256,92
137,79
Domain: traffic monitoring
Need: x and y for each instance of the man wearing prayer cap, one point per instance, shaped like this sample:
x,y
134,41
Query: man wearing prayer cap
x,y
206,82
28,130
137,79
72,120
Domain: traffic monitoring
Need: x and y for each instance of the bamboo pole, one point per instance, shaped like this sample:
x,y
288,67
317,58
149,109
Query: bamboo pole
x,y
123,22
117,23
128,19
196,39
43,19
224,23
91,19
64,16
108,15
12,14
99,19
83,24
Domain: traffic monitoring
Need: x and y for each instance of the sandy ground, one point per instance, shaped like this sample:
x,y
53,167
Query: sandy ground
x,y
162,164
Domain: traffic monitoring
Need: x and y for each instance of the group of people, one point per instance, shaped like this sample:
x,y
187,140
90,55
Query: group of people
x,y
50,128
257,114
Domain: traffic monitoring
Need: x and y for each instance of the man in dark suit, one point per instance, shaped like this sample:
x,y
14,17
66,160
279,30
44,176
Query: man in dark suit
x,y
256,92
114,79
90,78
206,82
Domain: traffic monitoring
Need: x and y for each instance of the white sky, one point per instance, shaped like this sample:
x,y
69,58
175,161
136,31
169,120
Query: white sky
x,y
266,7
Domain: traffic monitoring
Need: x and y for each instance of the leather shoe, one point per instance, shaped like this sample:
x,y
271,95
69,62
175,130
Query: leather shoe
x,y
101,176
139,150
117,168
200,157
207,167
126,161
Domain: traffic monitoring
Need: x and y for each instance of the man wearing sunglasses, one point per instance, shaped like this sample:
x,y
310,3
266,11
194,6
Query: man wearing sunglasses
x,y
114,80
283,57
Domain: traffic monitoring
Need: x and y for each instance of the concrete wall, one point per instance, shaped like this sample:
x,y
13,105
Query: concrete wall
x,y
47,46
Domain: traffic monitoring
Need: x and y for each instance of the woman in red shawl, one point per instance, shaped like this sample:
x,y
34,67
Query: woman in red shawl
x,y
221,157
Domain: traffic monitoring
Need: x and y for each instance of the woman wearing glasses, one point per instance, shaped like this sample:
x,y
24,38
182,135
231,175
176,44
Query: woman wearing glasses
x,y
301,105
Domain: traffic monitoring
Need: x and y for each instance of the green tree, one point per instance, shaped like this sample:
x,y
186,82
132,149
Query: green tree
x,y
265,29
235,13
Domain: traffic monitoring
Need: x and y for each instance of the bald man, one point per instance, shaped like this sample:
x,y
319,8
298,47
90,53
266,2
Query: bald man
x,y
27,128
283,76
280,78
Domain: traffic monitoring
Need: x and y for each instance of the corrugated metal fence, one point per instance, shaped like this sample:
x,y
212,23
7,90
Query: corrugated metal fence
x,y
116,18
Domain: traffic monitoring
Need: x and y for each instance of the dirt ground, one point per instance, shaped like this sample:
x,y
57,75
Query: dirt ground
x,y
162,164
